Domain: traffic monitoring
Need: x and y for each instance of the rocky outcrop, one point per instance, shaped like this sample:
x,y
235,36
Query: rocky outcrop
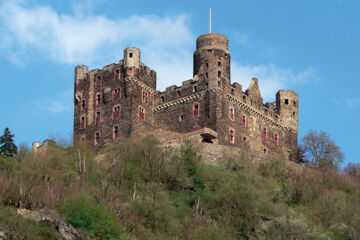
x,y
66,230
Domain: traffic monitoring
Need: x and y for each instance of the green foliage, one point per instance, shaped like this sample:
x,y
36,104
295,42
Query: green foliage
x,y
138,189
93,216
7,145
16,227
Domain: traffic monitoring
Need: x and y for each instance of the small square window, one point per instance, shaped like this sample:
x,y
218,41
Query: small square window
x,y
219,64
181,118
130,71
219,83
286,101
130,55
232,91
194,89
244,99
294,103
162,98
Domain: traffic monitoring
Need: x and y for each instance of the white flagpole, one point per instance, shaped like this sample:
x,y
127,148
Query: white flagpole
x,y
210,21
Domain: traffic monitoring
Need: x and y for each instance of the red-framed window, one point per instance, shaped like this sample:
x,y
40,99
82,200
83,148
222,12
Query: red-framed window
x,y
244,121
145,97
244,142
116,93
117,74
98,81
116,111
115,132
97,138
276,139
98,117
98,99
231,113
141,113
231,135
83,105
196,110
130,71
265,133
82,122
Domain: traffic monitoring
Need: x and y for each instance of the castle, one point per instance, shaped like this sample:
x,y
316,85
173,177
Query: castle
x,y
121,99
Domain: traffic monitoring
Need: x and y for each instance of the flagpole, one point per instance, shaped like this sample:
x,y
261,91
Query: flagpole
x,y
210,21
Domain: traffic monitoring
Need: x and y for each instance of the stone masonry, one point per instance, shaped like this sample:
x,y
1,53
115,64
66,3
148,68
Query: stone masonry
x,y
121,99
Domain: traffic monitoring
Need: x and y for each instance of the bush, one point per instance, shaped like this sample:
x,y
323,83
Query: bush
x,y
93,216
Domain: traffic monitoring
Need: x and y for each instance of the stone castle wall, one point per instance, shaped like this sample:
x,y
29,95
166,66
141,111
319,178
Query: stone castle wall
x,y
239,118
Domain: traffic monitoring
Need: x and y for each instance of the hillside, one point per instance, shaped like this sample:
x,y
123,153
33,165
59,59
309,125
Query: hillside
x,y
139,189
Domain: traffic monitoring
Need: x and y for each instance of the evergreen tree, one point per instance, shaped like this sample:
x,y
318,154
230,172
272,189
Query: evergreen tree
x,y
7,145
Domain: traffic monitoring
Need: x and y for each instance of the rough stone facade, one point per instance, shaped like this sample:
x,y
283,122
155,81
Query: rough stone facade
x,y
122,99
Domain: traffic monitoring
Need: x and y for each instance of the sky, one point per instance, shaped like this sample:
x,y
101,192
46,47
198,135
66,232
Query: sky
x,y
311,47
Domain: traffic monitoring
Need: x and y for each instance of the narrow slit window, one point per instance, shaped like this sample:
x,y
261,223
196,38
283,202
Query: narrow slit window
x,y
219,74
219,64
244,121
265,133
141,113
181,118
83,105
231,136
162,98
244,142
231,113
82,122
196,110
286,101
98,99
98,117
232,91
97,138
276,139
116,93
98,81
115,132
145,97
116,112
194,89
117,74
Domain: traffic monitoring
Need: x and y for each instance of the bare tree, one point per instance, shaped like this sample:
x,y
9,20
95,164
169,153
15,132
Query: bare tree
x,y
353,170
321,152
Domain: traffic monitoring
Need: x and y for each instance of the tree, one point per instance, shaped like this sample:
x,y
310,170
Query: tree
x,y
7,145
321,152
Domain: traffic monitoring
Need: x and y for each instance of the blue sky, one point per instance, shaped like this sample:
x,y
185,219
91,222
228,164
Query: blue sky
x,y
311,47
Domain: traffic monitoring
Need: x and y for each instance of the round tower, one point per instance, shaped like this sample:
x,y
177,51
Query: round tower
x,y
212,59
132,57
287,103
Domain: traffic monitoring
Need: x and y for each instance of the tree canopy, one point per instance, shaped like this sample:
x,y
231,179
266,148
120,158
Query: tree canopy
x,y
320,150
7,145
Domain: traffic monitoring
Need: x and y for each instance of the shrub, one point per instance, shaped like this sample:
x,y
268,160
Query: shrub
x,y
93,216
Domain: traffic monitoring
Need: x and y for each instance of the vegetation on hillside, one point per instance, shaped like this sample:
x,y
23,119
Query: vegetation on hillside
x,y
139,189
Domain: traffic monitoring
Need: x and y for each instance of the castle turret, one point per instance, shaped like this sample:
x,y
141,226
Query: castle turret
x,y
132,57
212,59
287,106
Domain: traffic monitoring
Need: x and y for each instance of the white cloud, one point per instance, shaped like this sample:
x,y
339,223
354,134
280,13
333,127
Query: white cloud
x,y
62,102
349,103
271,77
166,42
